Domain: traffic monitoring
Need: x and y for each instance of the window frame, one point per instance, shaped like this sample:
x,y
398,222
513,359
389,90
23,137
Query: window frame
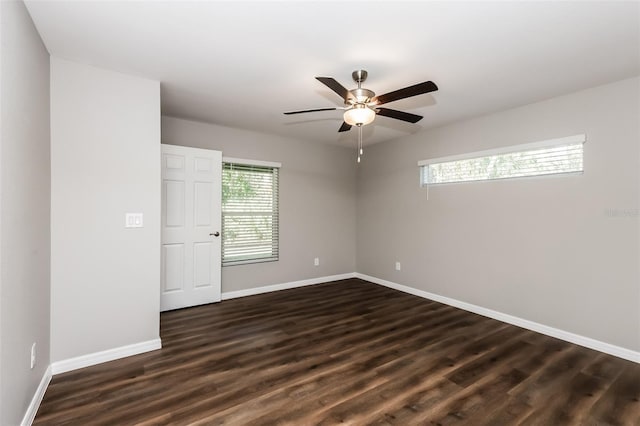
x,y
550,143
275,213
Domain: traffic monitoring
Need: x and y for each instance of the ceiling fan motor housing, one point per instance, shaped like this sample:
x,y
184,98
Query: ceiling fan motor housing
x,y
359,96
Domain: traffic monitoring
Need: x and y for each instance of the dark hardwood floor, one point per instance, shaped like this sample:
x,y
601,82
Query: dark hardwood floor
x,y
347,352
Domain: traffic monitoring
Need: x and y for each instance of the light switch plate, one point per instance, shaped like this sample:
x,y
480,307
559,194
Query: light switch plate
x,y
133,220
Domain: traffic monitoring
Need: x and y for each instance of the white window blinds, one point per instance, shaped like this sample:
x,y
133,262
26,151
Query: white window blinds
x,y
558,156
249,213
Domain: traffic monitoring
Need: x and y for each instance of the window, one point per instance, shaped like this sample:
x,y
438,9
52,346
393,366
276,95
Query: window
x,y
557,156
249,211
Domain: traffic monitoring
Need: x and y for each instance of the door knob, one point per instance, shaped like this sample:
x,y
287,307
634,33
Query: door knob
x,y
215,234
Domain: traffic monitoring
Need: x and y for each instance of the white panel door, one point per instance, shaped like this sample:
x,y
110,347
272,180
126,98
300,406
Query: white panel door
x,y
191,212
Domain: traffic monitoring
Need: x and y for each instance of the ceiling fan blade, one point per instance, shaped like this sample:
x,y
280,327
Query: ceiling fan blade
x,y
407,92
399,115
332,84
345,127
309,110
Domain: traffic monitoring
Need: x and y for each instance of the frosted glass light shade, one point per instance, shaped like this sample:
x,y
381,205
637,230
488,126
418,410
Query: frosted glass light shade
x,y
359,114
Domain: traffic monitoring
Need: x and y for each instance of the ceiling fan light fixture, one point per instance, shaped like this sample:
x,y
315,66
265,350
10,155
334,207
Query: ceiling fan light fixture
x,y
362,105
359,115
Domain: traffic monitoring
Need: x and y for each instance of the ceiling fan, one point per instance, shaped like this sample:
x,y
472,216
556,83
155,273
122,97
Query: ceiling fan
x,y
362,105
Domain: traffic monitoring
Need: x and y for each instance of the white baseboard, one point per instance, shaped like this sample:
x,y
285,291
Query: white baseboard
x,y
587,342
30,415
285,286
104,356
137,348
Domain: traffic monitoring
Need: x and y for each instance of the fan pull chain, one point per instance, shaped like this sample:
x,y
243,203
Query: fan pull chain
x,y
359,141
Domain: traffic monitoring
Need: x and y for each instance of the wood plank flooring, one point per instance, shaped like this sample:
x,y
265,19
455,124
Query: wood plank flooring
x,y
347,352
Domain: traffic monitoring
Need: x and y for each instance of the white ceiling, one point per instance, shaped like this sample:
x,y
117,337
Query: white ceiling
x,y
242,64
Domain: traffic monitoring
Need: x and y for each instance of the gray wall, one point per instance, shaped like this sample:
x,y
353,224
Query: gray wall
x,y
542,249
105,162
317,201
24,210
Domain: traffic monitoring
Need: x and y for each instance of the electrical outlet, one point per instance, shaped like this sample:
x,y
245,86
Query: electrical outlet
x,y
398,266
33,355
316,261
